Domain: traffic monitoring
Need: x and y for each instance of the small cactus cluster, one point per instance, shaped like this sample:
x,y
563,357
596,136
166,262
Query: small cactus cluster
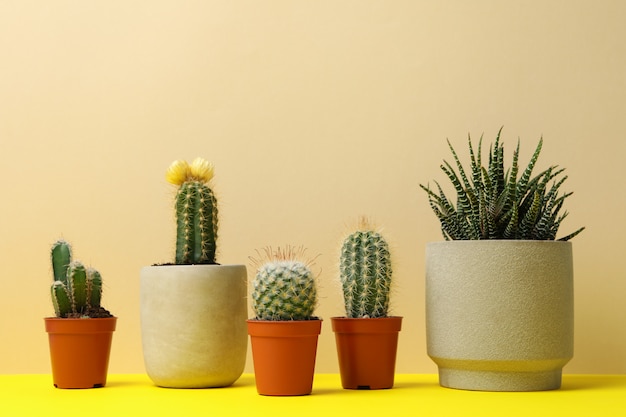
x,y
76,290
284,287
196,212
365,273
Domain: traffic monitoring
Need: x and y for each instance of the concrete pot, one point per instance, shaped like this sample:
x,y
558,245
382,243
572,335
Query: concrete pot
x,y
193,324
499,314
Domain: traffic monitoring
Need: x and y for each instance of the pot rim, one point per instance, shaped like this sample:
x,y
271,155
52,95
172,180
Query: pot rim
x,y
79,318
284,328
170,265
391,324
60,325
365,318
499,241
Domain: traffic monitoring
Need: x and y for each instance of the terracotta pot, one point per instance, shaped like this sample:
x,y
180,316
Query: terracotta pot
x,y
193,324
366,349
284,355
79,351
500,313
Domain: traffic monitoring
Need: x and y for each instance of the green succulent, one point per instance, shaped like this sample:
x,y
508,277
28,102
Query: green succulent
x,y
196,212
365,272
492,203
76,290
284,286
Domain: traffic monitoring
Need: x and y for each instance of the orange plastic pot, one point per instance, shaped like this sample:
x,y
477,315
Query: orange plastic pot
x,y
366,349
79,351
284,353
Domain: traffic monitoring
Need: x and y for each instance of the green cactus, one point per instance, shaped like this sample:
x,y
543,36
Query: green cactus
x,y
61,299
77,278
76,290
196,212
94,289
61,255
365,273
284,287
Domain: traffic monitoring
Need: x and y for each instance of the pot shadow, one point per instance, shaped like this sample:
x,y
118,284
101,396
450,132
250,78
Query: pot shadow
x,y
592,382
396,386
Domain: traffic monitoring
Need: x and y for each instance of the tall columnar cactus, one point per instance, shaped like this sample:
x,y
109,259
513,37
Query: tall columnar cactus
x,y
284,287
196,212
76,290
365,273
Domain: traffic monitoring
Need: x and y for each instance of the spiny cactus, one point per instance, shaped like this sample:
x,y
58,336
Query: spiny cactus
x,y
495,204
365,273
284,287
196,212
76,290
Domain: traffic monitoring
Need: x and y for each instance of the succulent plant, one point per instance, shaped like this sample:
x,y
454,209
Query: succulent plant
x,y
284,286
365,273
196,212
492,203
76,290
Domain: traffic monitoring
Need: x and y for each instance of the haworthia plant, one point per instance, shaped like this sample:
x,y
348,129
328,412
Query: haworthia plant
x,y
365,273
493,203
196,212
284,286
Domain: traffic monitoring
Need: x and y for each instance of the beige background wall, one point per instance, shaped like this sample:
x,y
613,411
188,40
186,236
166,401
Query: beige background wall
x,y
313,112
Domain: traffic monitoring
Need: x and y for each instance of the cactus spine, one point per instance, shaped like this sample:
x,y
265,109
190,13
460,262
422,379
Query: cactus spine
x,y
76,290
196,212
365,273
284,286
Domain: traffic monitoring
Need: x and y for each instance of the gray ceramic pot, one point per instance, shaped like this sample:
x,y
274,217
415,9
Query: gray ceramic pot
x,y
499,313
193,324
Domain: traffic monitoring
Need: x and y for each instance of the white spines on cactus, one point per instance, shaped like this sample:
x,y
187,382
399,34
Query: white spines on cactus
x,y
365,273
76,290
284,286
196,211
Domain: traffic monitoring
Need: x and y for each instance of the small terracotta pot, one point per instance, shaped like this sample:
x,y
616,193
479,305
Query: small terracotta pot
x,y
366,349
284,355
79,351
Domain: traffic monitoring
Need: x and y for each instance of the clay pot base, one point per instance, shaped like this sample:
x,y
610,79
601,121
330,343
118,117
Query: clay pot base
x,y
366,350
79,351
284,355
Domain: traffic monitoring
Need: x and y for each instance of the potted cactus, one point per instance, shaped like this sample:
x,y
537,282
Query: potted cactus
x,y
367,337
80,333
284,332
193,312
499,290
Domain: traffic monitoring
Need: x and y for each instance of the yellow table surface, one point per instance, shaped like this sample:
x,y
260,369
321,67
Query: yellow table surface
x,y
412,395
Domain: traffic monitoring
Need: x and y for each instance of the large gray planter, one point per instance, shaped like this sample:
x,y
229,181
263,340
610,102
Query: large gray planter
x,y
193,324
499,313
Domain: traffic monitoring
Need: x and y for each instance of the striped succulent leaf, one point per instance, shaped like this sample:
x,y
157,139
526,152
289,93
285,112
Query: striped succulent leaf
x,y
495,203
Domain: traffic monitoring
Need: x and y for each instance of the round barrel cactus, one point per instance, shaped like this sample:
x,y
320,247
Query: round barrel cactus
x,y
284,287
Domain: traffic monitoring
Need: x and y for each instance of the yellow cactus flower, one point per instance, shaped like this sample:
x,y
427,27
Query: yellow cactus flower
x,y
178,172
201,170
